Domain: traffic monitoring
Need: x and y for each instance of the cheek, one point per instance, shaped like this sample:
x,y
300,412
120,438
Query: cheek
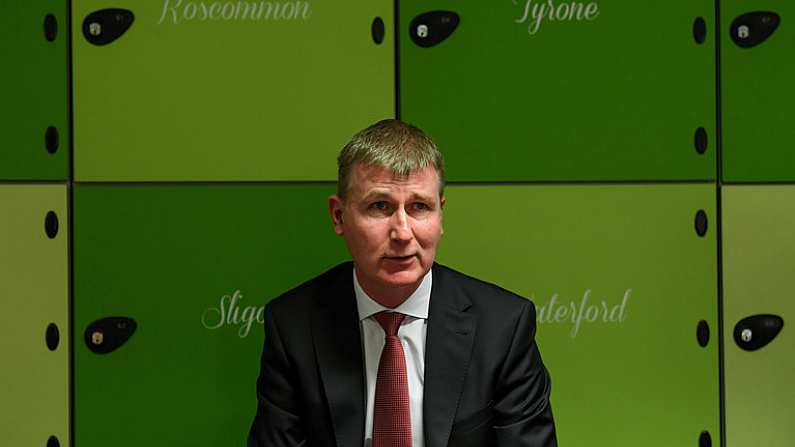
x,y
429,233
369,236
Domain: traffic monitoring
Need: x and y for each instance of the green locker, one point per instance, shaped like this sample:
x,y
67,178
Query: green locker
x,y
553,90
33,83
170,281
758,259
34,324
757,69
186,90
625,293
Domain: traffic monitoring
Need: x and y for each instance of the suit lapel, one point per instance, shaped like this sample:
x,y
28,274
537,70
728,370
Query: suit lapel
x,y
337,340
448,348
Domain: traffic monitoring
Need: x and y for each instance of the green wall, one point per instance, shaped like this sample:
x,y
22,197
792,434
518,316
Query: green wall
x,y
198,149
234,95
34,91
615,95
34,378
757,93
759,252
620,280
193,266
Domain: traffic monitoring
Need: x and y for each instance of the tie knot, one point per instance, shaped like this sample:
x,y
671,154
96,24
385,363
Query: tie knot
x,y
390,321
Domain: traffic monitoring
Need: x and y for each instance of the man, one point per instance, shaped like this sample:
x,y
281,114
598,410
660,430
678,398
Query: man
x,y
393,350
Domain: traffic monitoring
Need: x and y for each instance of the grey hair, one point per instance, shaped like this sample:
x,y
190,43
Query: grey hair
x,y
393,145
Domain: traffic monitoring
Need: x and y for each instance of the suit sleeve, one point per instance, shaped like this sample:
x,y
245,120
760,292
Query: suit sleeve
x,y
522,399
277,422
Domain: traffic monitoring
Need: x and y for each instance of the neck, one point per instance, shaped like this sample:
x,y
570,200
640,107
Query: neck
x,y
390,297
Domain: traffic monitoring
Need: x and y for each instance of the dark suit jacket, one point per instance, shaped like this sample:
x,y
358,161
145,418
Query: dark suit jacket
x,y
485,384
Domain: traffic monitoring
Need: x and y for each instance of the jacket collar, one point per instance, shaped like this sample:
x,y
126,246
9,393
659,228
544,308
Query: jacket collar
x,y
338,347
448,348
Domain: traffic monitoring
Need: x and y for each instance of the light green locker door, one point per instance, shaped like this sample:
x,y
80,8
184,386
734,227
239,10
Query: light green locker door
x,y
34,323
243,90
759,283
190,268
34,136
557,90
625,291
757,69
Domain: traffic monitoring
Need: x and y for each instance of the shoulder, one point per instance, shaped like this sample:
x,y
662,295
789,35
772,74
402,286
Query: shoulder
x,y
485,297
312,292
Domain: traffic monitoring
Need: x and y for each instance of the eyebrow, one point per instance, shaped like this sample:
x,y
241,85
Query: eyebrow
x,y
373,195
422,198
382,195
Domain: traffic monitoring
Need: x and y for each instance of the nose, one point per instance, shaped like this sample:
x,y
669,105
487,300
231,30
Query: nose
x,y
400,230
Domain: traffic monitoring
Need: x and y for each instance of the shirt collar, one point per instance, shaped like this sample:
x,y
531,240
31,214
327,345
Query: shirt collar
x,y
416,305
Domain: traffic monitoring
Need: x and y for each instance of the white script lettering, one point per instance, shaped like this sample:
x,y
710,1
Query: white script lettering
x,y
181,11
536,12
230,313
576,313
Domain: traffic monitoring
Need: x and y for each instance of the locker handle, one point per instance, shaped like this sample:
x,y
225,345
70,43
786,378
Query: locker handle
x,y
757,331
432,28
106,25
108,334
753,28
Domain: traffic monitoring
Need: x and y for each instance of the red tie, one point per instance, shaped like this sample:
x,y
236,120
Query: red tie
x,y
391,418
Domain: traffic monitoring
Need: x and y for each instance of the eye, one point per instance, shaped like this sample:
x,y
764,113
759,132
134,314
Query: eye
x,y
378,205
420,206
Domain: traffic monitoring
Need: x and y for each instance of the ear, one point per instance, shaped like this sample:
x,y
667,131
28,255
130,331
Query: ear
x,y
441,215
335,209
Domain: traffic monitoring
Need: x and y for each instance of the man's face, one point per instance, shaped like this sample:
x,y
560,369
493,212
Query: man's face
x,y
391,226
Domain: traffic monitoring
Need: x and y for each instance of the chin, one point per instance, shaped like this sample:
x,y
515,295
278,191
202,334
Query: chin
x,y
402,279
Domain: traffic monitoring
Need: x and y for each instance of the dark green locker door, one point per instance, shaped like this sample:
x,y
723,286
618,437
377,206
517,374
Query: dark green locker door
x,y
758,260
757,72
191,267
601,91
243,90
34,323
35,135
621,281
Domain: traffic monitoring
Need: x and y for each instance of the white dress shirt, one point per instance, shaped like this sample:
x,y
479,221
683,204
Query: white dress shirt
x,y
412,336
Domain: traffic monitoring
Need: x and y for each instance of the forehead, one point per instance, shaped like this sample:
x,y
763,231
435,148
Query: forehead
x,y
368,178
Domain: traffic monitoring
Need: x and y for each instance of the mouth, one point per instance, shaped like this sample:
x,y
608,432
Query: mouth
x,y
399,258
